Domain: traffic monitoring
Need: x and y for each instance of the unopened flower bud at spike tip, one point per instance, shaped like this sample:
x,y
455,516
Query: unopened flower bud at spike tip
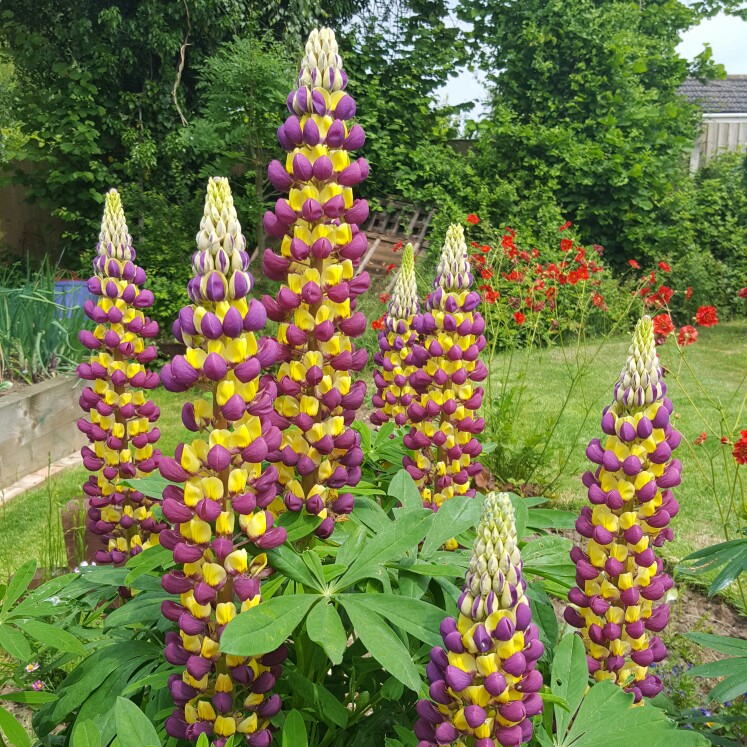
x,y
120,426
619,578
483,680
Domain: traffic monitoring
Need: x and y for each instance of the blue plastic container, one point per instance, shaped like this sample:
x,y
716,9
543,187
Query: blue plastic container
x,y
70,294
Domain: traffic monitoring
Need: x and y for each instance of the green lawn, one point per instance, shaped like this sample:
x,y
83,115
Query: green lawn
x,y
718,359
29,524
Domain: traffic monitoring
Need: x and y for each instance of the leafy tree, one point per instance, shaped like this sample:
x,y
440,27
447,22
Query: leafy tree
x,y
586,110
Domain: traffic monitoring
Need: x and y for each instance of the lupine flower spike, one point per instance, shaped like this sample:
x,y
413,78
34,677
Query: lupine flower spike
x,y
444,414
320,248
120,425
394,361
224,498
619,578
484,683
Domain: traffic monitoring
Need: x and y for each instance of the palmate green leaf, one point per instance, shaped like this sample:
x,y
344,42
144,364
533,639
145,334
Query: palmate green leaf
x,y
30,697
134,728
286,560
14,642
86,734
153,558
403,488
33,605
144,610
420,619
52,636
381,642
549,557
730,687
264,627
320,699
608,717
729,573
298,525
521,514
454,517
89,676
324,627
294,730
152,485
14,732
355,538
17,585
721,643
550,518
570,675
543,615
370,514
395,540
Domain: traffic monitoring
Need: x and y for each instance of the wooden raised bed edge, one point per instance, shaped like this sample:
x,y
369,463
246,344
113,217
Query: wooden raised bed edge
x,y
38,426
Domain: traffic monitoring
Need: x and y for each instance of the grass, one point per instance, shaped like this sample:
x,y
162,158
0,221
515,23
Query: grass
x,y
544,377
28,524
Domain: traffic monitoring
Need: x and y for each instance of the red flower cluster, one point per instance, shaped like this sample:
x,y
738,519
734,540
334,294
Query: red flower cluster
x,y
530,286
740,449
378,324
663,326
473,219
705,316
687,336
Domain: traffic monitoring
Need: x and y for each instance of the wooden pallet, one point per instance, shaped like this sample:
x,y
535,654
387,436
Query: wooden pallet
x,y
391,224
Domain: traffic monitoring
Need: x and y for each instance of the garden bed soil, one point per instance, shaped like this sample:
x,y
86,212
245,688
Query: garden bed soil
x,y
39,427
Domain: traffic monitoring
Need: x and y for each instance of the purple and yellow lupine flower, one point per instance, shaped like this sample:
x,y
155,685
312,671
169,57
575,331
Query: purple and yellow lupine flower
x,y
444,414
484,685
227,499
119,427
320,247
618,576
394,361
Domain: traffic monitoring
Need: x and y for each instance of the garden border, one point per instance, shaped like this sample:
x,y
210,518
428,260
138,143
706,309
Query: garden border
x,y
38,427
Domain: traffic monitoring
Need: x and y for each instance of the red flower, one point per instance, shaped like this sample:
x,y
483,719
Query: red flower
x,y
565,225
397,246
486,274
724,440
519,318
484,248
664,266
598,300
740,449
634,264
689,292
378,323
687,336
384,297
705,316
663,325
389,268
742,293
473,219
566,245
700,440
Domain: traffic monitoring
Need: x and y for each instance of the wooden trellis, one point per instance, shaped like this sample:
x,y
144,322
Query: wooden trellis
x,y
393,222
